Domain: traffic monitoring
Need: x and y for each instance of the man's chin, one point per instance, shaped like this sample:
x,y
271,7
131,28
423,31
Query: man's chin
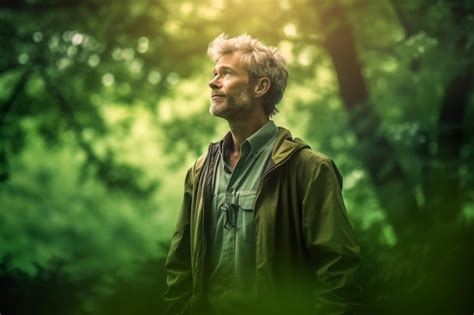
x,y
216,110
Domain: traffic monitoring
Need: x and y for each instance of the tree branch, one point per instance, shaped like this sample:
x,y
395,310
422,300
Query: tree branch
x,y
9,67
5,108
8,104
65,108
405,22
115,176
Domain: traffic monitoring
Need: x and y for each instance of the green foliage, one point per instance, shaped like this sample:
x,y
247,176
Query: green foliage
x,y
104,106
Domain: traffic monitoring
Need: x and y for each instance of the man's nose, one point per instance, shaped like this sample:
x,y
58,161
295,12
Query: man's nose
x,y
214,83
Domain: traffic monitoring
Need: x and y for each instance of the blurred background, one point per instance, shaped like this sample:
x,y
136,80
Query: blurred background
x,y
104,106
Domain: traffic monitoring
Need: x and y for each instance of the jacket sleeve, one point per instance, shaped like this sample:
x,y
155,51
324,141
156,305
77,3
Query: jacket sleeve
x,y
329,239
178,263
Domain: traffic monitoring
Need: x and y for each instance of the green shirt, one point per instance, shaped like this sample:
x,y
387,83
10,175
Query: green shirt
x,y
232,281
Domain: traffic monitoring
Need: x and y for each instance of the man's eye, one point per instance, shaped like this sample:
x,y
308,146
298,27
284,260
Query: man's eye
x,y
222,73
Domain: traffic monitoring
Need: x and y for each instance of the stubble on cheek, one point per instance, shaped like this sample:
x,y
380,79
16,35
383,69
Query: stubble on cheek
x,y
217,105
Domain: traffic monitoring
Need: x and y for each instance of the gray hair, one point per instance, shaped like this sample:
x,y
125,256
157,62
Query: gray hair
x,y
259,60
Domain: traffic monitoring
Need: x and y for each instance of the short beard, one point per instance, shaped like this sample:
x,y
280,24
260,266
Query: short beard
x,y
241,100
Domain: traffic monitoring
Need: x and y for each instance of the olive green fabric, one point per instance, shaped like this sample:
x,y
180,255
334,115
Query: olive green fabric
x,y
306,252
232,279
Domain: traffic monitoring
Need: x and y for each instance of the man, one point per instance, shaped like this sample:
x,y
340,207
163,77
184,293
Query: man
x,y
263,227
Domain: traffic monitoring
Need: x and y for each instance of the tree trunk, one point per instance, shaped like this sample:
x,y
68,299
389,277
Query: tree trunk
x,y
446,199
393,190
445,188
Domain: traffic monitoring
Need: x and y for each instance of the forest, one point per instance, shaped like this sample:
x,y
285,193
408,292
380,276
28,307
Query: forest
x,y
104,105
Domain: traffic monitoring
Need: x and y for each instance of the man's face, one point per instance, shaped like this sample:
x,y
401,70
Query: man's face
x,y
231,91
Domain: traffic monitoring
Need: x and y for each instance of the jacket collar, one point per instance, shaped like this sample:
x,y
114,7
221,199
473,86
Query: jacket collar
x,y
285,146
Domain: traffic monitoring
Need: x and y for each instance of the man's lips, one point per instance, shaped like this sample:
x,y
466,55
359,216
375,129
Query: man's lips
x,y
217,95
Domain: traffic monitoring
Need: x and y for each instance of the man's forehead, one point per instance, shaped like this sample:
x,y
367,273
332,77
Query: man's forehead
x,y
230,60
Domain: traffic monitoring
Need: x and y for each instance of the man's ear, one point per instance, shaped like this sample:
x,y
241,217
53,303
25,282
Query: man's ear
x,y
261,86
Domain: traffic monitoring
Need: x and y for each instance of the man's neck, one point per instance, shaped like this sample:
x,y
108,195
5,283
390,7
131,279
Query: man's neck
x,y
244,129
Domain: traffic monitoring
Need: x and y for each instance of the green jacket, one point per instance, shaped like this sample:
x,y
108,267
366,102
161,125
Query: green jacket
x,y
306,252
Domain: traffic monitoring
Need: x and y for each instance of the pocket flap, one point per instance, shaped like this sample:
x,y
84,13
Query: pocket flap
x,y
247,200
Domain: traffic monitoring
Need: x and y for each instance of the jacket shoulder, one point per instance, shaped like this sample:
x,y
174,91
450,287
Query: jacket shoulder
x,y
308,155
310,163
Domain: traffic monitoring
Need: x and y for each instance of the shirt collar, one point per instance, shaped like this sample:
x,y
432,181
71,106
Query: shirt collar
x,y
256,142
262,137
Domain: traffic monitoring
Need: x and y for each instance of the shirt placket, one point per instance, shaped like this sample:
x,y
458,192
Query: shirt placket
x,y
231,211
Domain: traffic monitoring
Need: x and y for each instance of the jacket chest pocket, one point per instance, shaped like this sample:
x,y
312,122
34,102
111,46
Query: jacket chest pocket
x,y
246,221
